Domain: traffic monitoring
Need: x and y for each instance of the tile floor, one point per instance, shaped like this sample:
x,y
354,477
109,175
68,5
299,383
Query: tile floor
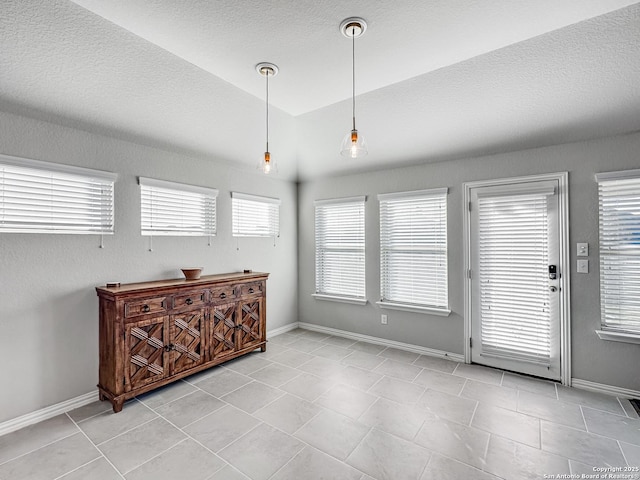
x,y
315,406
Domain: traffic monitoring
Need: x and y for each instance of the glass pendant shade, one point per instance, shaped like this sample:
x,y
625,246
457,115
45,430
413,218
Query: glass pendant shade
x,y
266,165
353,145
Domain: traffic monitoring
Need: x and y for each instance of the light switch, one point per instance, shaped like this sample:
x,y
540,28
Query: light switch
x,y
583,266
582,249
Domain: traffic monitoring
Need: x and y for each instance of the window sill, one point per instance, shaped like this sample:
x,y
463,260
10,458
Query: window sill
x,y
414,308
618,336
337,298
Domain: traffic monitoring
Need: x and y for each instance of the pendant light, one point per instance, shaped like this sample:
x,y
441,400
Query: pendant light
x,y
353,144
266,164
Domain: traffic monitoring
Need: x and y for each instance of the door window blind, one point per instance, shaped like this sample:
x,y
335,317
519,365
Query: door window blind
x,y
340,241
42,197
255,216
619,218
413,248
513,251
169,208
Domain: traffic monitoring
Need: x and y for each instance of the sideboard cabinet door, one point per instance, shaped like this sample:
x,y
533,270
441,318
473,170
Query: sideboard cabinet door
x,y
223,330
187,340
146,358
250,325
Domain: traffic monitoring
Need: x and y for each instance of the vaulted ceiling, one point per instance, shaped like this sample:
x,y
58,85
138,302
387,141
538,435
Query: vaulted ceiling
x,y
436,79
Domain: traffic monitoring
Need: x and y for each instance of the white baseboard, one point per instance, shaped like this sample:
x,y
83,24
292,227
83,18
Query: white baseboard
x,y
47,413
286,328
383,341
602,388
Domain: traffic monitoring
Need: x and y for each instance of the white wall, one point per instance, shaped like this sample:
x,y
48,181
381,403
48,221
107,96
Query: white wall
x,y
593,359
48,304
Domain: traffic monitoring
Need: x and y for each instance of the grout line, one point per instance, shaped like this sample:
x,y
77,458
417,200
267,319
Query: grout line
x,y
540,434
192,438
322,409
42,446
486,447
129,430
426,465
475,409
462,389
623,455
107,408
170,401
81,466
287,462
156,456
360,443
210,413
97,448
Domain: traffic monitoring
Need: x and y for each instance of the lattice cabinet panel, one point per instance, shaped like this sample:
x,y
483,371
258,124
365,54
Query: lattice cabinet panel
x,y
187,340
250,327
223,332
146,356
154,333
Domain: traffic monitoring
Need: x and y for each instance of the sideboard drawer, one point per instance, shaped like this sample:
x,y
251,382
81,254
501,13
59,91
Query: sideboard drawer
x,y
145,306
252,289
190,299
223,294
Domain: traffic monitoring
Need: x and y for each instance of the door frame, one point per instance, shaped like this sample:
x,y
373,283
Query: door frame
x,y
565,264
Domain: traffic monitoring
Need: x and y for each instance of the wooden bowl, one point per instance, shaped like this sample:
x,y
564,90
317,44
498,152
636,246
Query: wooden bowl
x,y
191,273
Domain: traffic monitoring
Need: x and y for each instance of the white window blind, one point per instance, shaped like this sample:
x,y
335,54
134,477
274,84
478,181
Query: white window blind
x,y
169,208
413,248
340,243
619,213
255,216
42,197
513,250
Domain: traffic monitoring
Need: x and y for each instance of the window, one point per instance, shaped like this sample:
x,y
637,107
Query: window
x,y
340,250
169,208
42,197
255,216
619,218
413,251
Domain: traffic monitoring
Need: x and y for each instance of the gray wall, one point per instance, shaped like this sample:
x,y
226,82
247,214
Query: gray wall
x,y
48,305
594,360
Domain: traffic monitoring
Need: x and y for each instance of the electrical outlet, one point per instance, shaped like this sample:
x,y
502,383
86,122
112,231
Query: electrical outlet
x,y
383,319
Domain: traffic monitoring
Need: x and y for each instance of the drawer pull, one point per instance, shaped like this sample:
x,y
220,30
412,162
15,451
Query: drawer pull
x,y
146,308
188,301
223,295
251,290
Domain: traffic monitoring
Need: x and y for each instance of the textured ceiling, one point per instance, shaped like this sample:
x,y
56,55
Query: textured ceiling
x,y
436,79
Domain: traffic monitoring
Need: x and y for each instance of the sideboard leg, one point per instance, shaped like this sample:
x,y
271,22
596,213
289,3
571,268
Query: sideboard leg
x,y
117,406
263,348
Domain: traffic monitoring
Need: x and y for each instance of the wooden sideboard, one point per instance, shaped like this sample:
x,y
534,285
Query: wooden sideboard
x,y
154,333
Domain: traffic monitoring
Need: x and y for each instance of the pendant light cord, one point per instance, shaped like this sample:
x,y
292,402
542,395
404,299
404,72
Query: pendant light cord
x,y
353,73
267,75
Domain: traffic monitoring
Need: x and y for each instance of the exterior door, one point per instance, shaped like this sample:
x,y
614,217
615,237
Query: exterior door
x,y
515,277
